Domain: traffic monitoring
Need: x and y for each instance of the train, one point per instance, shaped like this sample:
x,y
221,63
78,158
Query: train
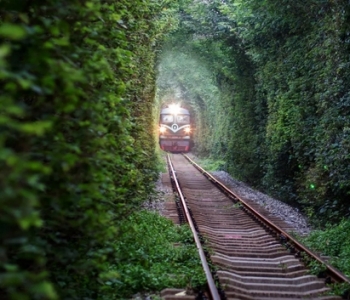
x,y
175,129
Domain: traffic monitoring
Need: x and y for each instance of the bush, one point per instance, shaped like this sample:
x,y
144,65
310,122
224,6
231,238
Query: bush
x,y
76,155
153,254
333,241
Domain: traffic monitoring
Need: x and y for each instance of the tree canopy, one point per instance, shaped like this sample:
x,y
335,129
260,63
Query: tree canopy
x,y
269,82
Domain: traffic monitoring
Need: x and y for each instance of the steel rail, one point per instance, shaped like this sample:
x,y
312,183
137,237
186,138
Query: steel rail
x,y
212,287
334,273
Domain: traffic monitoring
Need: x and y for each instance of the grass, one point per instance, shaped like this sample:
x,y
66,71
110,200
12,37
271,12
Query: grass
x,y
333,241
210,164
154,254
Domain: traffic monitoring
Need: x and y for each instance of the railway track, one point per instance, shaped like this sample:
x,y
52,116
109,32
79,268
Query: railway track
x,y
254,258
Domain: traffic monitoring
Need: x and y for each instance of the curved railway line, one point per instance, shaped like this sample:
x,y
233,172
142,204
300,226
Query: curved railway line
x,y
254,255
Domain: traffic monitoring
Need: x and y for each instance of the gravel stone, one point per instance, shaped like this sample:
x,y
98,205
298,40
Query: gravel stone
x,y
289,214
156,201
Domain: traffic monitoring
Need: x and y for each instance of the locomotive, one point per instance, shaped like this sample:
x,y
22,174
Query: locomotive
x,y
175,129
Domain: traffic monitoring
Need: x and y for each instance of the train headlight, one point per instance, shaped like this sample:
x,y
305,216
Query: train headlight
x,y
187,129
162,129
174,108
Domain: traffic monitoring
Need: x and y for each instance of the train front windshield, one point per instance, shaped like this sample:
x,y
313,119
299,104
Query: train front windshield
x,y
167,119
184,119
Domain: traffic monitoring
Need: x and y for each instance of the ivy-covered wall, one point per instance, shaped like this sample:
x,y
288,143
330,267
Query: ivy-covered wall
x,y
280,115
76,152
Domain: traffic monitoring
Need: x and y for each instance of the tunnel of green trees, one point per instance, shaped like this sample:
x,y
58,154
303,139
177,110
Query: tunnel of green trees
x,y
82,82
269,84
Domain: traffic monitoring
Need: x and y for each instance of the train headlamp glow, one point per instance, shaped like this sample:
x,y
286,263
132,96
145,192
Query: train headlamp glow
x,y
162,129
174,108
187,129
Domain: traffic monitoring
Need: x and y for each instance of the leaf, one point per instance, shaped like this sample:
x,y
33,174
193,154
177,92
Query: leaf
x,y
45,290
4,50
36,128
12,32
10,267
32,220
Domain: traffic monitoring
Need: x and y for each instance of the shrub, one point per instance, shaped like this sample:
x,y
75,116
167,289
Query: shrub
x,y
153,254
76,155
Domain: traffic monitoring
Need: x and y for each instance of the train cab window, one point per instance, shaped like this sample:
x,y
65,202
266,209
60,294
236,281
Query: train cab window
x,y
167,118
183,118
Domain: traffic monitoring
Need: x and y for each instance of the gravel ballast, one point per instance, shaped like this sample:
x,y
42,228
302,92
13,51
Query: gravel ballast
x,y
289,214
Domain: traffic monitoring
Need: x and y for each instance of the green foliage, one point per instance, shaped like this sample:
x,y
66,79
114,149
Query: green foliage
x,y
154,254
211,73
268,83
333,241
300,61
340,289
210,164
76,152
